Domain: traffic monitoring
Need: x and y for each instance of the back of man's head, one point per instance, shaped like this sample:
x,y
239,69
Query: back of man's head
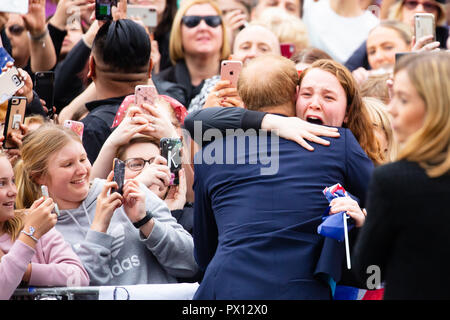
x,y
268,81
122,46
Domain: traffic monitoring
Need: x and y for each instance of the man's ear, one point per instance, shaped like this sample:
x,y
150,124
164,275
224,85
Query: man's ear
x,y
91,71
150,67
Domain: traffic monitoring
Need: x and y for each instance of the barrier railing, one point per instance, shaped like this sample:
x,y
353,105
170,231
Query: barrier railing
x,y
175,291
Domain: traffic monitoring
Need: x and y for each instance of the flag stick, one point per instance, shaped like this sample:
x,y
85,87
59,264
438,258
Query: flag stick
x,y
347,248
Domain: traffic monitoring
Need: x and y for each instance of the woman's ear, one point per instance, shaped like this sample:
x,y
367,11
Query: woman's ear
x,y
39,179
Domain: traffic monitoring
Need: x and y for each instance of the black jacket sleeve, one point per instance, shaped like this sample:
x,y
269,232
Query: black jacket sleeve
x,y
222,119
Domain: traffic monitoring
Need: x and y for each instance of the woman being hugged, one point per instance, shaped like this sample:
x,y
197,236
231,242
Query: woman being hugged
x,y
32,252
122,238
406,230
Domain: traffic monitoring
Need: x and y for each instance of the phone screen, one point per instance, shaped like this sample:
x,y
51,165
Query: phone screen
x,y
14,117
171,150
103,9
43,85
119,175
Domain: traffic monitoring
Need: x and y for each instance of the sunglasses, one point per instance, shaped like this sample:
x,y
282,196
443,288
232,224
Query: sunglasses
x,y
193,21
16,29
427,6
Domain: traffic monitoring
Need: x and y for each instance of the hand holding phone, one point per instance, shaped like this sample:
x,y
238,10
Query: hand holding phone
x,y
119,175
171,150
15,115
230,70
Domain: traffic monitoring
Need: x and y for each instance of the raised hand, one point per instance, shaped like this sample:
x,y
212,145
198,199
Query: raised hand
x,y
35,18
107,203
298,130
176,197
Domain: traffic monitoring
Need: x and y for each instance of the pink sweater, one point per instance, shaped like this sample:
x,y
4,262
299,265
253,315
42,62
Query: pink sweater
x,y
53,263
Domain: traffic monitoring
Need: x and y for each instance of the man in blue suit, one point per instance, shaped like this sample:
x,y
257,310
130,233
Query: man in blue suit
x,y
255,221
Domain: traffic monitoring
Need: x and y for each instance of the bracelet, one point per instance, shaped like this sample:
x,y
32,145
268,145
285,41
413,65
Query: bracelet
x,y
30,234
39,37
140,223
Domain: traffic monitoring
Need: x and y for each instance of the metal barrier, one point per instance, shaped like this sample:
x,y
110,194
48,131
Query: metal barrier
x,y
173,291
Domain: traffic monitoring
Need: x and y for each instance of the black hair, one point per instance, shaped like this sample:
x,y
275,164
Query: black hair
x,y
123,46
167,18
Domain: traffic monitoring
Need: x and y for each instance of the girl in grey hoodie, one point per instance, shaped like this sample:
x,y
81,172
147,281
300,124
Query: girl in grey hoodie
x,y
121,239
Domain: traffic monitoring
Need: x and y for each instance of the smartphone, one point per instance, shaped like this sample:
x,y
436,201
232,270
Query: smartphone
x,y
287,49
147,14
14,6
15,115
119,175
229,70
171,150
9,83
400,55
424,25
145,94
4,58
75,126
44,190
103,9
44,85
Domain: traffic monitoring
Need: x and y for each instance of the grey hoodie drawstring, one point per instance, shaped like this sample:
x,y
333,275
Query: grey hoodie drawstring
x,y
75,220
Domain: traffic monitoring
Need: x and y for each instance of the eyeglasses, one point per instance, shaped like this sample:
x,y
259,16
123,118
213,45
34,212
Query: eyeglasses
x,y
16,29
193,21
427,6
137,164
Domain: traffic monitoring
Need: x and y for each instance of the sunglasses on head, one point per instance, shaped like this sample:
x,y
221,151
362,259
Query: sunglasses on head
x,y
16,29
193,21
427,6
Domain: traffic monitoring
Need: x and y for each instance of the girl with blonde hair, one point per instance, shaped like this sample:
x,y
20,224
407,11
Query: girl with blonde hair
x,y
382,128
32,252
406,230
122,237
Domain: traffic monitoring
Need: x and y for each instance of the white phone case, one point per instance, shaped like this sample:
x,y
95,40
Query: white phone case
x,y
9,84
147,14
14,6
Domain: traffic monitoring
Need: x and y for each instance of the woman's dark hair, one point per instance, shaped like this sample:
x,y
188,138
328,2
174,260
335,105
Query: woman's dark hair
x,y
123,46
167,17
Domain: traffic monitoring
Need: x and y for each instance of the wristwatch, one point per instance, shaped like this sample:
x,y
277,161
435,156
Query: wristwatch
x,y
31,233
140,223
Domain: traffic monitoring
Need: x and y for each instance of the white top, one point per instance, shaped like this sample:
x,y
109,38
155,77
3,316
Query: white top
x,y
336,35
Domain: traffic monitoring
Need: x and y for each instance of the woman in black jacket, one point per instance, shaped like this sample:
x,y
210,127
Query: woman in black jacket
x,y
198,44
405,235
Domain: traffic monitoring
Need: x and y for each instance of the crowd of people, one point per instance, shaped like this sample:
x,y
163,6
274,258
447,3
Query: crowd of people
x,y
330,95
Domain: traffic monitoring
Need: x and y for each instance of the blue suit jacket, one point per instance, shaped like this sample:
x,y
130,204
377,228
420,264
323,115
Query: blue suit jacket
x,y
255,235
